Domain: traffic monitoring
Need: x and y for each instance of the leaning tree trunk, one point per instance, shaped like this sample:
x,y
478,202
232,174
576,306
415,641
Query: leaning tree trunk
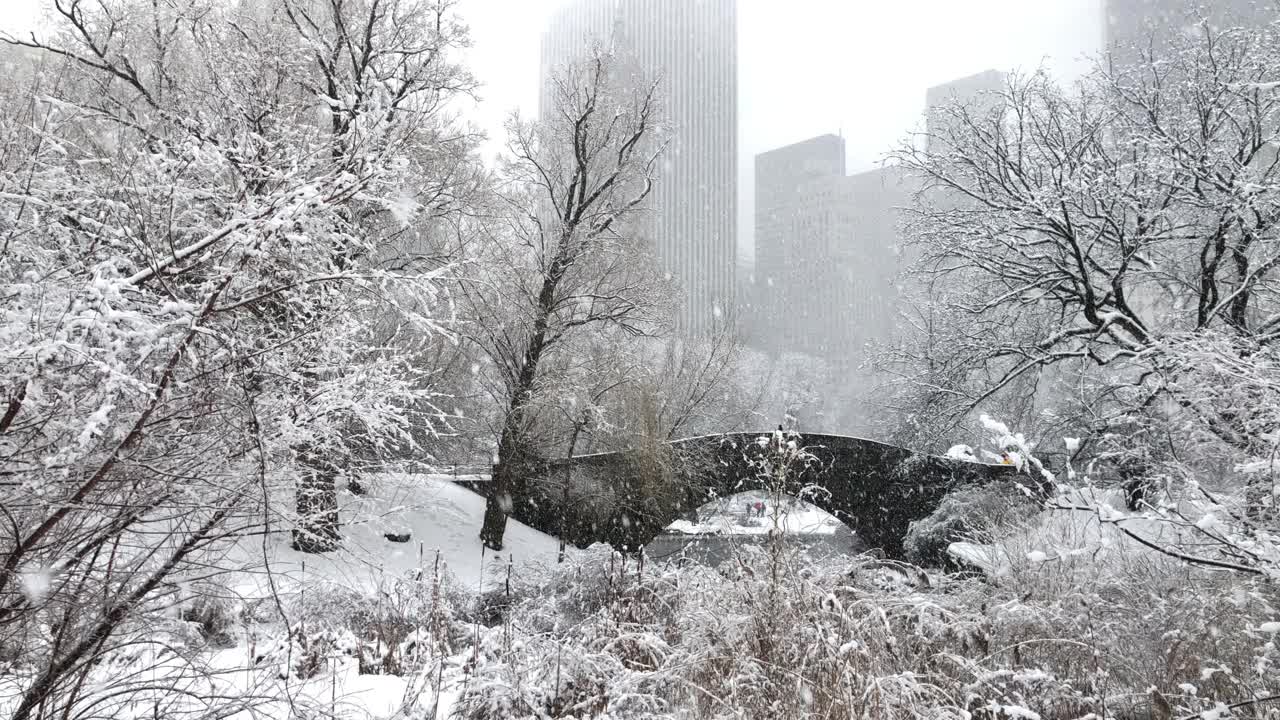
x,y
498,502
512,451
512,445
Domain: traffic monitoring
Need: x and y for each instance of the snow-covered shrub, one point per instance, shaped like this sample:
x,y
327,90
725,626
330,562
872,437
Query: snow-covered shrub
x,y
1112,604
601,578
215,618
963,515
814,645
1112,633
590,640
396,627
1059,637
1010,694
543,679
491,606
309,654
663,640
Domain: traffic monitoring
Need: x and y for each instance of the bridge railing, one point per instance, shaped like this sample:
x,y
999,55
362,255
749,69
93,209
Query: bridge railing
x,y
467,473
453,473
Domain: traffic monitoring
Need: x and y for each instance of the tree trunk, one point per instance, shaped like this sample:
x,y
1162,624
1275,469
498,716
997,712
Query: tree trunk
x,y
502,485
564,493
498,502
511,446
495,521
317,498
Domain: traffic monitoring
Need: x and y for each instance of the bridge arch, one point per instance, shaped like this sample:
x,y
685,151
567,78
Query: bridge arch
x,y
725,525
739,514
875,489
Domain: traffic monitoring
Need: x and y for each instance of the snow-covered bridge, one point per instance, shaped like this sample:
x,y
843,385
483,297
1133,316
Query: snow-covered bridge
x,y
627,498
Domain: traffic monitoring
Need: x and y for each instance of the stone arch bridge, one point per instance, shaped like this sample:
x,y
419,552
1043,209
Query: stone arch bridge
x,y
627,498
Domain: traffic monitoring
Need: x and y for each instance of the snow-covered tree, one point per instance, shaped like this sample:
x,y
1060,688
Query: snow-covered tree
x,y
199,205
686,384
569,253
1105,230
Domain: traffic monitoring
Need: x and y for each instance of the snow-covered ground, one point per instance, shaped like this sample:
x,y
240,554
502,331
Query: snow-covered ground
x,y
184,687
442,517
439,516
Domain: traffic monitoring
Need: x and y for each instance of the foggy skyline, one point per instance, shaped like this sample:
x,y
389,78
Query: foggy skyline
x,y
859,69
694,199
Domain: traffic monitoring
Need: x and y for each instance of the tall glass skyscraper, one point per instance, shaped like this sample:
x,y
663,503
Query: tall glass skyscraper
x,y
692,47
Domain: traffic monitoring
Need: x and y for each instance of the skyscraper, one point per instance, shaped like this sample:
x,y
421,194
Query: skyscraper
x,y
826,257
692,47
794,239
978,93
1131,26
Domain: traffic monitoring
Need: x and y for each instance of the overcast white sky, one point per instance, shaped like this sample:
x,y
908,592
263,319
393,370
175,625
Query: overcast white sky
x,y
806,67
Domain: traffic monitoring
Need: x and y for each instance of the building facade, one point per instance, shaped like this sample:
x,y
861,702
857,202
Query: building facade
x,y
978,93
829,252
794,231
692,48
1131,27
826,253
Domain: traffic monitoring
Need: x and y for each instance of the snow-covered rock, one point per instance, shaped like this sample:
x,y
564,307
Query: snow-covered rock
x,y
963,452
993,560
